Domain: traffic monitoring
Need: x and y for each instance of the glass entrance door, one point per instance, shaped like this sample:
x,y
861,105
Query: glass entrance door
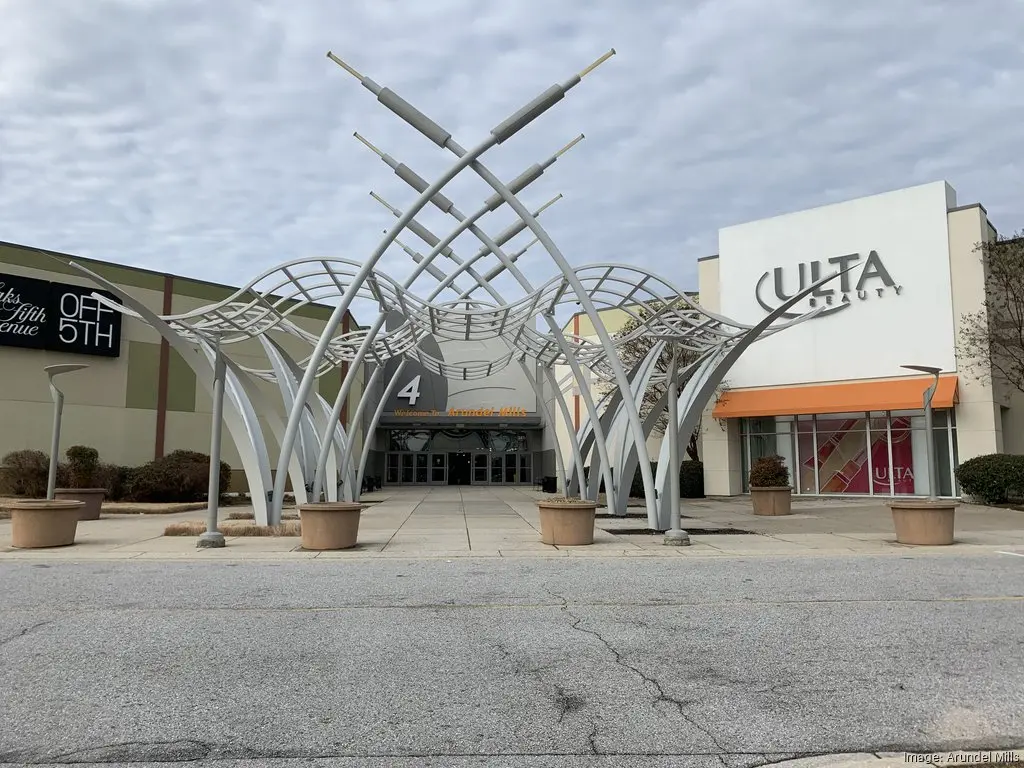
x,y
438,467
480,469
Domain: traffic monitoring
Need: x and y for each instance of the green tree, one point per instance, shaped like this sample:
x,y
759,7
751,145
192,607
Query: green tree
x,y
991,343
634,350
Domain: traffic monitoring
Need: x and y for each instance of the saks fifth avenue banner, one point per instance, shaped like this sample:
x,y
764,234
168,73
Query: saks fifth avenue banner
x,y
37,314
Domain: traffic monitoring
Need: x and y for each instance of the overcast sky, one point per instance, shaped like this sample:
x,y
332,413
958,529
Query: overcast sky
x,y
214,139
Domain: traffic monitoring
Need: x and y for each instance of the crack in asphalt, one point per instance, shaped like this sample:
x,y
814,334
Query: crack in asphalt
x,y
394,603
661,696
22,633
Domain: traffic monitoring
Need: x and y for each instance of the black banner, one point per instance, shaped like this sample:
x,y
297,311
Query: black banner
x,y
37,314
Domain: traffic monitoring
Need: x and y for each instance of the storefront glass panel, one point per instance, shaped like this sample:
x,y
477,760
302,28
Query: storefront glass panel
x,y
842,454
806,480
881,453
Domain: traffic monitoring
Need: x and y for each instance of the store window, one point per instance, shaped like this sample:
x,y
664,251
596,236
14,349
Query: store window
x,y
878,453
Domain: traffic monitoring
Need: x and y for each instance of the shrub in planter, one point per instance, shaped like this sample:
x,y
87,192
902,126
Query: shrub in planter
x,y
83,468
180,476
993,479
770,491
769,472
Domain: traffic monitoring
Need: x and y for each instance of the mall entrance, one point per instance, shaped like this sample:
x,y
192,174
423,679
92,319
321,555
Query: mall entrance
x,y
458,456
460,468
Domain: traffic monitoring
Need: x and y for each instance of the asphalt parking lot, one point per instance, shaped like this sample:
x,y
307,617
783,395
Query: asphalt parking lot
x,y
539,662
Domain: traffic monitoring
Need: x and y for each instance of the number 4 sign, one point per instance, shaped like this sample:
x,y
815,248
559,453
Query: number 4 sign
x,y
411,391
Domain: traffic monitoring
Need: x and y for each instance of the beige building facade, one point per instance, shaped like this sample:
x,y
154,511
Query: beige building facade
x,y
831,395
138,399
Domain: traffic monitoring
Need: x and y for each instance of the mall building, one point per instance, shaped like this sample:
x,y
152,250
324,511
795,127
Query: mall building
x,y
830,395
138,399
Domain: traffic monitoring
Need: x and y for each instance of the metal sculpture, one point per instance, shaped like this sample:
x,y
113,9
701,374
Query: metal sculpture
x,y
319,456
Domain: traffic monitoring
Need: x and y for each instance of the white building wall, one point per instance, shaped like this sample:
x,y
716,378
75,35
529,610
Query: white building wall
x,y
720,439
979,425
882,325
928,248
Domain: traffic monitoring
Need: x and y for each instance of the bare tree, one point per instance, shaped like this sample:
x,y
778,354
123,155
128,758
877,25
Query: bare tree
x,y
992,339
633,351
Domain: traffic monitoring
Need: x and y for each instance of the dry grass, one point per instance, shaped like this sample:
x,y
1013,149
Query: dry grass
x,y
196,527
251,516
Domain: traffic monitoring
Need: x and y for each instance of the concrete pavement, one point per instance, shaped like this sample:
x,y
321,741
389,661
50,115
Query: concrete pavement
x,y
449,522
736,661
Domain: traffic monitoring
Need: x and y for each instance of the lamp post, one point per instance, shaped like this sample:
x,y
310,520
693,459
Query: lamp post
x,y
929,393
213,538
52,371
676,536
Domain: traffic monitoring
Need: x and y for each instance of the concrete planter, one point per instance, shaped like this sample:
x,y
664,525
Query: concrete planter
x,y
330,524
567,523
772,502
923,522
37,523
91,498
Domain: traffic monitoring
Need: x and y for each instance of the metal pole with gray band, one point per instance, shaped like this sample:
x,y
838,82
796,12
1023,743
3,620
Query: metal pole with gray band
x,y
933,464
677,536
213,538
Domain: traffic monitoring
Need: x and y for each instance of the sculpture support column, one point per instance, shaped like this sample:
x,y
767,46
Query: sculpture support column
x,y
213,538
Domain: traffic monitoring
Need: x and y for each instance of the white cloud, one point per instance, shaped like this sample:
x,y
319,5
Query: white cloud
x,y
215,139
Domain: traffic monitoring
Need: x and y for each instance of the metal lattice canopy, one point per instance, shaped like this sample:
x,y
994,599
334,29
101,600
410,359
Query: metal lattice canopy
x,y
465,305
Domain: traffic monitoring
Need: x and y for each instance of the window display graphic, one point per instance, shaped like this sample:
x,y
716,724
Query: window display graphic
x,y
842,457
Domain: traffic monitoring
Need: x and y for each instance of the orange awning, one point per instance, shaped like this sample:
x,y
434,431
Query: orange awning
x,y
889,395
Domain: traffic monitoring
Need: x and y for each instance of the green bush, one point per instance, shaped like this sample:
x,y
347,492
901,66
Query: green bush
x,y
115,479
83,465
691,480
180,476
25,474
993,479
636,488
769,472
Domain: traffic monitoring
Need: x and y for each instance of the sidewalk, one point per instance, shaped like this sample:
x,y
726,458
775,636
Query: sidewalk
x,y
453,521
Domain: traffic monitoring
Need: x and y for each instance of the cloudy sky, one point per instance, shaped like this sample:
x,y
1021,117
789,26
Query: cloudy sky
x,y
214,139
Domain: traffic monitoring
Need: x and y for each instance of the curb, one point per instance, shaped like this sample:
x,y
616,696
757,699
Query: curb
x,y
892,759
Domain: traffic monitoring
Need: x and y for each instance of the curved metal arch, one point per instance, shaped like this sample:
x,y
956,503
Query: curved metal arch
x,y
696,392
374,421
242,433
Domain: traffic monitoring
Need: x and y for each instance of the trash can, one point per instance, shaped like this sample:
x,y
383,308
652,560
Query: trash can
x,y
549,485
